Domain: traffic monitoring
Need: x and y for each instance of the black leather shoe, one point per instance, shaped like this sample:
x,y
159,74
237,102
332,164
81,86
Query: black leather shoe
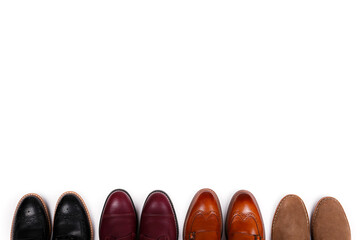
x,y
72,219
31,219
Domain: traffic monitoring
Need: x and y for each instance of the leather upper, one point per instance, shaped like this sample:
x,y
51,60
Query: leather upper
x,y
158,219
72,220
118,219
244,220
31,219
204,218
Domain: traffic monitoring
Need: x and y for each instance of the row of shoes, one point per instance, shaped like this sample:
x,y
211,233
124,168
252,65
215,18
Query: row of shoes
x,y
158,220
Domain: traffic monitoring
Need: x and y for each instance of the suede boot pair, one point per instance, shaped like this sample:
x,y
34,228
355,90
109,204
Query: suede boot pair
x,y
328,221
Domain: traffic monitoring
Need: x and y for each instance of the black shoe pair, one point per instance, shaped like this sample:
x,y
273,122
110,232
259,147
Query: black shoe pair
x,y
71,221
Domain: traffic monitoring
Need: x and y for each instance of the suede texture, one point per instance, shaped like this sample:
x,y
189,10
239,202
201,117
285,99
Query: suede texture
x,y
329,221
291,220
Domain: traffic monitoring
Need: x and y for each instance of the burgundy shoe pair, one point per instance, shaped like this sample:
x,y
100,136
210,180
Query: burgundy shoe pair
x,y
119,219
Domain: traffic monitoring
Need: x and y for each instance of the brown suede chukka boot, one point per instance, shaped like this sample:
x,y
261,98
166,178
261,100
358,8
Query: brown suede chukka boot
x,y
291,220
329,221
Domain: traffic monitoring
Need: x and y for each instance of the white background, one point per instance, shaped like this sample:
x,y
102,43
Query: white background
x,y
180,95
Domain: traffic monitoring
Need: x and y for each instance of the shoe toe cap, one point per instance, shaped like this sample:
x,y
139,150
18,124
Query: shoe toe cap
x,y
119,202
158,203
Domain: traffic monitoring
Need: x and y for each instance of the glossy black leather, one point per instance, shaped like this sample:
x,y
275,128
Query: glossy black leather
x,y
71,221
31,220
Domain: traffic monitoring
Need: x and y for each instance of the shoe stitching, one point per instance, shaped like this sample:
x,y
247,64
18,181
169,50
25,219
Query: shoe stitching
x,y
279,206
244,216
321,201
17,208
84,205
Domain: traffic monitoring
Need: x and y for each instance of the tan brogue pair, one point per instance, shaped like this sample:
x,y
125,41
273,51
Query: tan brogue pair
x,y
328,221
204,218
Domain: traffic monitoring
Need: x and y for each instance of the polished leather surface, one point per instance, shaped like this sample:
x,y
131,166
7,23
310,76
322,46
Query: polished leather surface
x,y
31,219
72,220
158,219
244,220
204,218
118,220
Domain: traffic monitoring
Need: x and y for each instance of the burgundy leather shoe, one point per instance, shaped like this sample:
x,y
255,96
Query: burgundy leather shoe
x,y
158,219
118,219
